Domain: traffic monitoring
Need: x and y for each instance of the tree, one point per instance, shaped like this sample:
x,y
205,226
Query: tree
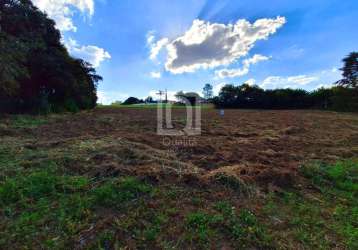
x,y
350,71
132,100
228,96
208,91
36,71
149,99
190,97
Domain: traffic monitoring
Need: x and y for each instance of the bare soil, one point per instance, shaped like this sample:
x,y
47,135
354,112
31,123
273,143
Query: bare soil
x,y
242,158
266,147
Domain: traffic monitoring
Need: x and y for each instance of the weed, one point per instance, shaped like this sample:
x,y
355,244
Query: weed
x,y
113,193
152,231
243,227
199,227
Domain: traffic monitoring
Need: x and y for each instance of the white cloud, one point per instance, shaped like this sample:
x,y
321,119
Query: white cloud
x,y
217,88
230,73
302,79
255,59
334,69
155,47
251,82
155,74
208,45
89,53
226,73
150,37
62,11
323,78
298,81
108,97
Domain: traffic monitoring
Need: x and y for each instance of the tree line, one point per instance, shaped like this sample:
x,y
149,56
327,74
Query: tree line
x,y
341,97
253,97
37,74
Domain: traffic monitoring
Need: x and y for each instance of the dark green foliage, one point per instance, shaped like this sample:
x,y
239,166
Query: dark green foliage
x,y
189,98
245,96
149,99
132,100
340,98
350,71
36,72
208,91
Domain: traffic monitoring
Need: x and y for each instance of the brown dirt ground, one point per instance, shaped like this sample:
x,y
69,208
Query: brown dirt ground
x,y
265,147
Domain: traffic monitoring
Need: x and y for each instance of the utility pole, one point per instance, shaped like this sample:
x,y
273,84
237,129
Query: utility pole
x,y
160,93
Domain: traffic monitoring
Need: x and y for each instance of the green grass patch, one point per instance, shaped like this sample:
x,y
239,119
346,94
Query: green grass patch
x,y
242,227
155,106
51,208
324,217
114,193
27,121
341,177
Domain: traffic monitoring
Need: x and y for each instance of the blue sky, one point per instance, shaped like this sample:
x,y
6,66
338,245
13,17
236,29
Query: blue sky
x,y
142,46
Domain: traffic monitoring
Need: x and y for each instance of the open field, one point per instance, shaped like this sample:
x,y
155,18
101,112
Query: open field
x,y
104,179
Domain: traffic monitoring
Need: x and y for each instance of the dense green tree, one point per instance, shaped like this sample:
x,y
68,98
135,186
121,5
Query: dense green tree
x,y
350,71
36,71
191,97
132,100
208,91
244,96
149,99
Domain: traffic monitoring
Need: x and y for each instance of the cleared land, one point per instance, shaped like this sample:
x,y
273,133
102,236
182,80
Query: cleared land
x,y
105,179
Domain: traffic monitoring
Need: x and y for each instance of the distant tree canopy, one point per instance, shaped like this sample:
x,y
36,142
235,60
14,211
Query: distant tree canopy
x,y
132,100
149,99
245,96
350,71
190,97
343,97
36,71
208,91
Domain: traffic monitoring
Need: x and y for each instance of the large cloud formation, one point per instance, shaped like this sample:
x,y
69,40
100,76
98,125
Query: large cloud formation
x,y
208,45
62,11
